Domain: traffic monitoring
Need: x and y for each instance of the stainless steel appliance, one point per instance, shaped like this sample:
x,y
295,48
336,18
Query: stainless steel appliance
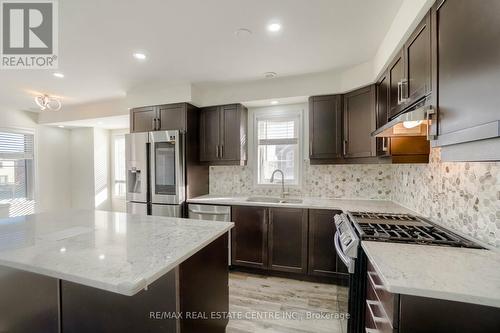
x,y
212,213
155,163
354,227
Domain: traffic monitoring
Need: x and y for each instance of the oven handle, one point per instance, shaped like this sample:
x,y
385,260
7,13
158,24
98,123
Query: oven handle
x,y
345,259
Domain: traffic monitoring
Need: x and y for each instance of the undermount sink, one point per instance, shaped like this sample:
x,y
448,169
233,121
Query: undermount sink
x,y
274,200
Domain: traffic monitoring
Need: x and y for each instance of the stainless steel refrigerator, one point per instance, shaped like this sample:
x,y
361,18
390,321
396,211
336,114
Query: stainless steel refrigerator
x,y
155,164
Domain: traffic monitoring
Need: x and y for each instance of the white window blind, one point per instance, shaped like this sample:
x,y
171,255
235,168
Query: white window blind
x,y
278,138
17,172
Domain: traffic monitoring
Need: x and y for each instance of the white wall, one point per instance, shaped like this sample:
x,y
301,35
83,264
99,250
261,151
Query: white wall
x,y
82,168
53,169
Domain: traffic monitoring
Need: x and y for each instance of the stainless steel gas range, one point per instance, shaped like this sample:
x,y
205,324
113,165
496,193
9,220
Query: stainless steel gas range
x,y
354,227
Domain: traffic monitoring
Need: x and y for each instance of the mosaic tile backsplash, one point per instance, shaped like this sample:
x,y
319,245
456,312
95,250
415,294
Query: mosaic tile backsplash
x,y
462,196
327,181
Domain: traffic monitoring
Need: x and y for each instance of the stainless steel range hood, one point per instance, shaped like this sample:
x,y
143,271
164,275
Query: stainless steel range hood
x,y
414,122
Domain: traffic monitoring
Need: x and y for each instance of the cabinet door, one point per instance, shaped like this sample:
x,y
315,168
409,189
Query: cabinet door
x,y
172,117
230,135
288,240
325,127
143,119
417,54
249,236
468,63
396,77
322,255
359,123
209,134
382,105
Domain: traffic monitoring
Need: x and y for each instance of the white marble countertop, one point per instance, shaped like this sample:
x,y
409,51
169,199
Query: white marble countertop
x,y
378,206
117,252
456,274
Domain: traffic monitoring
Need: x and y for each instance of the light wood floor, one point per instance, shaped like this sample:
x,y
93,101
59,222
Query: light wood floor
x,y
255,297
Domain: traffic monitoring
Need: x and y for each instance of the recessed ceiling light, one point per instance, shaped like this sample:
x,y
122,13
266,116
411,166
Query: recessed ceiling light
x,y
62,249
58,75
274,102
61,126
243,33
140,56
100,123
102,257
270,75
274,27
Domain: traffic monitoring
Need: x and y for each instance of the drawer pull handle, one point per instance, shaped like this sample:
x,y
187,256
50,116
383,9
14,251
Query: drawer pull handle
x,y
375,318
372,281
371,330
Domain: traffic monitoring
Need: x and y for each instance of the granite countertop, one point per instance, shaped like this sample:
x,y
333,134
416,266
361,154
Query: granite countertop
x,y
456,274
379,206
117,252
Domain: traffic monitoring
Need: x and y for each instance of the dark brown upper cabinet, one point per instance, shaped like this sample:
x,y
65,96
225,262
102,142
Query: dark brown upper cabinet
x,y
417,58
288,240
382,111
359,122
323,260
325,127
143,119
159,117
249,236
409,73
223,134
396,76
467,77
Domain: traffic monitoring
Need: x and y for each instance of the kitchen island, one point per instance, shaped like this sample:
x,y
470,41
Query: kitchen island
x,y
96,271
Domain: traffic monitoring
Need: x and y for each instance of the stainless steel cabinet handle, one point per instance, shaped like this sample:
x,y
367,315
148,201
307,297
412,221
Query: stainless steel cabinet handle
x,y
344,147
399,92
158,123
217,151
430,136
375,318
385,143
404,90
221,151
153,125
372,281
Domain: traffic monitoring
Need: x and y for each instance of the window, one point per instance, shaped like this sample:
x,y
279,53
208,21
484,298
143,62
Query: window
x,y
278,137
119,166
16,172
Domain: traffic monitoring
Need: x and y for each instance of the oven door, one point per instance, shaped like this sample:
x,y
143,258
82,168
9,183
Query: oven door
x,y
167,167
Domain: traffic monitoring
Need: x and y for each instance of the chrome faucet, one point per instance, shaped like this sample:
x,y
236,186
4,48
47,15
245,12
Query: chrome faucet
x,y
283,193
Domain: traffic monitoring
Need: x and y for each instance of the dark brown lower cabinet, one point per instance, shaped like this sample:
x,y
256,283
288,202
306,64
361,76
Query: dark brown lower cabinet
x,y
249,236
291,240
323,260
398,313
288,240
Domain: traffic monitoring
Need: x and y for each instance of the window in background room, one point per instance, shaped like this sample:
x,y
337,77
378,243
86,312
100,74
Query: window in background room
x,y
119,166
17,172
278,146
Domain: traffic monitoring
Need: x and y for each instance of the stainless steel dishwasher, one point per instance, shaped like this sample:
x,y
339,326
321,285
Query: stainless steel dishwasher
x,y
212,213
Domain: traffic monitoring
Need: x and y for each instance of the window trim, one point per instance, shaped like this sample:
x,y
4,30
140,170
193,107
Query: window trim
x,y
114,136
289,111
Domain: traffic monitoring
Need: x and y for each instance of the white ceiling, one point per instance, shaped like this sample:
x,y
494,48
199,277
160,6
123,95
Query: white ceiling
x,y
110,123
194,41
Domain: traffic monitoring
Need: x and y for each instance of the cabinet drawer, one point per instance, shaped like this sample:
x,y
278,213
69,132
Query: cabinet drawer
x,y
383,300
